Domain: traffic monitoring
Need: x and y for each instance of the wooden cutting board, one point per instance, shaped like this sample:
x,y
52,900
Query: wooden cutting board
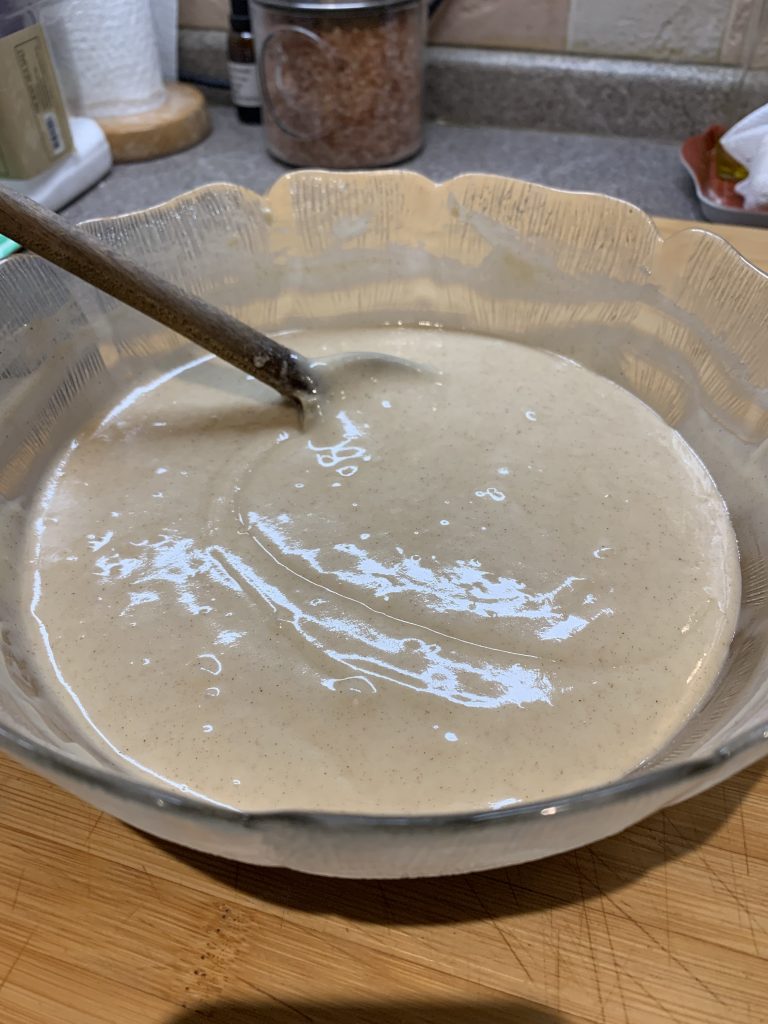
x,y
667,922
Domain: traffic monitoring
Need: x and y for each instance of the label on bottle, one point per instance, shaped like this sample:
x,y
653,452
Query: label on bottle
x,y
34,131
244,83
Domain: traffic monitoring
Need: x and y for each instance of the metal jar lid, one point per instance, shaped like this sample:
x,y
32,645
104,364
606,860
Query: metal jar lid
x,y
327,6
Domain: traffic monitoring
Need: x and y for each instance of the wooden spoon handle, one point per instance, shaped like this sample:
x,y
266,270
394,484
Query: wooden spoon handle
x,y
72,249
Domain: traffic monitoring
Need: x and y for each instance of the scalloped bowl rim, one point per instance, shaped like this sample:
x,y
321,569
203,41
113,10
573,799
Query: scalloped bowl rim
x,y
121,786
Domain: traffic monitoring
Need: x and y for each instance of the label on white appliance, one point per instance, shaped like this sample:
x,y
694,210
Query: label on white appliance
x,y
244,83
34,130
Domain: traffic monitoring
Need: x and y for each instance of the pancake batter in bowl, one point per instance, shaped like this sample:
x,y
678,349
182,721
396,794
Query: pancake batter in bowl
x,y
498,580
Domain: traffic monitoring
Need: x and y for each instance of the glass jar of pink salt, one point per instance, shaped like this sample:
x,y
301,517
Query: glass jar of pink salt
x,y
342,80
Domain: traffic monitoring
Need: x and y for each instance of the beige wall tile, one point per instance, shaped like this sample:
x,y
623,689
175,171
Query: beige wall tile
x,y
745,41
678,30
760,58
204,13
514,24
736,36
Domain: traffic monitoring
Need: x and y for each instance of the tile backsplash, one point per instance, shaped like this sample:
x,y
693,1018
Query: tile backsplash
x,y
662,29
504,24
699,31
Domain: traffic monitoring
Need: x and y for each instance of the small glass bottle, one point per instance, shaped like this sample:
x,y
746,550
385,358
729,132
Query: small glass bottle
x,y
243,73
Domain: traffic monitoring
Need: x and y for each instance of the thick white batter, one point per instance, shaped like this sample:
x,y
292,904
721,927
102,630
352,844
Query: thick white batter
x,y
504,580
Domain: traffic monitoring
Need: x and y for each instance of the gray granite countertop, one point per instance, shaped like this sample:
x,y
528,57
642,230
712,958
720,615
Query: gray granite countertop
x,y
643,171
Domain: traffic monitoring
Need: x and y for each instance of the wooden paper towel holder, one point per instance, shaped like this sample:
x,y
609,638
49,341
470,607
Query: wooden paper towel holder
x,y
178,123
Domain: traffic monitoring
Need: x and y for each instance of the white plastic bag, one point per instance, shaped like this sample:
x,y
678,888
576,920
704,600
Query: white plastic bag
x,y
747,142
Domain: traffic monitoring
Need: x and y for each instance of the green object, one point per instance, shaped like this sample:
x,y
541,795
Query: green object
x,y
7,247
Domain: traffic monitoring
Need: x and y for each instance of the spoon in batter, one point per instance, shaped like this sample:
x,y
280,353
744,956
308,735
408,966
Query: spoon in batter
x,y
75,251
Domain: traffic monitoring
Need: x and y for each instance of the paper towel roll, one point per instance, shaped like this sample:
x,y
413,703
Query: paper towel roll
x,y
165,16
107,56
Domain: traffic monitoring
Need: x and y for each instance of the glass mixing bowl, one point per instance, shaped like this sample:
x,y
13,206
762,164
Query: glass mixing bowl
x,y
680,323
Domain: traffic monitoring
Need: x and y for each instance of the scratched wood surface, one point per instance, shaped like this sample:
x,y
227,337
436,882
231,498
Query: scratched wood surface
x,y
667,922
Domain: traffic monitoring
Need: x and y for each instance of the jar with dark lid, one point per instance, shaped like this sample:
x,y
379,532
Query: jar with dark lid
x,y
342,81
